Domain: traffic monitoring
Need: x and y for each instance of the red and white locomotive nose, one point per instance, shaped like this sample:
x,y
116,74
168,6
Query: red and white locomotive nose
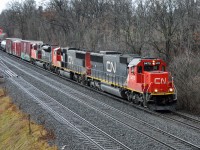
x,y
149,83
158,82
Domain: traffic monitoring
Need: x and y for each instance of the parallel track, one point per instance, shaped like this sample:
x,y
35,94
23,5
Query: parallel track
x,y
186,117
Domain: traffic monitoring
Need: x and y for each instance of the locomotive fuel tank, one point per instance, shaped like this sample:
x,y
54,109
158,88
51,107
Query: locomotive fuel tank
x,y
113,90
41,64
65,73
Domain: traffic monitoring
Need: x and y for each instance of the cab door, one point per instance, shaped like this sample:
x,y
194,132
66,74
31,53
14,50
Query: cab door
x,y
139,78
58,55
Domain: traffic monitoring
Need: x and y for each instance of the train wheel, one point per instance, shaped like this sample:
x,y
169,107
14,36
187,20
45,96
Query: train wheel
x,y
136,100
129,97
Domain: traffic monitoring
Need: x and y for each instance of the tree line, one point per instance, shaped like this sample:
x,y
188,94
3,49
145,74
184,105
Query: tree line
x,y
167,29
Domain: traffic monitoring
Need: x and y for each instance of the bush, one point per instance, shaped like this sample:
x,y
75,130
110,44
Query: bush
x,y
186,72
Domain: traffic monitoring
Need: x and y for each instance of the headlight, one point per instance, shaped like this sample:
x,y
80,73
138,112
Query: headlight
x,y
171,89
155,90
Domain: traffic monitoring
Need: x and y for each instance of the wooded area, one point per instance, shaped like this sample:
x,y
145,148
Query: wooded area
x,y
168,29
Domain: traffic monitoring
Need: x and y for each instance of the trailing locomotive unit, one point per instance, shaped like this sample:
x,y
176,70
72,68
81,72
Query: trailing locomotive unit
x,y
42,55
143,81
72,61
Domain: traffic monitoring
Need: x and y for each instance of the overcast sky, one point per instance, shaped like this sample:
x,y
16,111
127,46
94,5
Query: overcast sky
x,y
3,3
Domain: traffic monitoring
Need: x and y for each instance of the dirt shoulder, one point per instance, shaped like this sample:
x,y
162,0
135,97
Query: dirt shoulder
x,y
18,131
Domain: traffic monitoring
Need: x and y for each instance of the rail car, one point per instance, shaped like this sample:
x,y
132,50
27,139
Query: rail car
x,y
140,80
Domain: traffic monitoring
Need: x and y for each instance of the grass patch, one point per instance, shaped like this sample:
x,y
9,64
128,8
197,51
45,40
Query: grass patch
x,y
2,92
15,129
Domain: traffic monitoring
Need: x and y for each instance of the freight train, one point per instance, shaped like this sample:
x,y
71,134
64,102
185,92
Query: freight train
x,y
137,79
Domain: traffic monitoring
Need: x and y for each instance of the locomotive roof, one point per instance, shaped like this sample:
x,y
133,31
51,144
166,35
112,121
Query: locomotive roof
x,y
73,48
13,39
149,58
109,52
134,62
130,55
96,54
32,41
17,40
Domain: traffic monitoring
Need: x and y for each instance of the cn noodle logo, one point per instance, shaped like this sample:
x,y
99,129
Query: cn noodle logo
x,y
111,66
160,80
70,60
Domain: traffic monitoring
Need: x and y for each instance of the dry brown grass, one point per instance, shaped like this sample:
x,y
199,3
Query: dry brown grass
x,y
14,131
2,92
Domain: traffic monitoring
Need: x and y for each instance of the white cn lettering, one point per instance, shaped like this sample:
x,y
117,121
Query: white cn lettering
x,y
160,80
110,66
70,60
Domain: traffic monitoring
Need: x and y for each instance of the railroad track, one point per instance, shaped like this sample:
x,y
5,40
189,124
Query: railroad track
x,y
186,117
187,120
86,132
5,70
128,121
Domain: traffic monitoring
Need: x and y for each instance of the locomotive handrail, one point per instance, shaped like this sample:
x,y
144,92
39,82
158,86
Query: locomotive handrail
x,y
149,86
109,77
76,68
173,85
170,78
175,92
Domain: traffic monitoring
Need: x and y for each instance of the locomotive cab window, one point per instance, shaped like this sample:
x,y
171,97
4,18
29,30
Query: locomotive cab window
x,y
58,52
163,68
139,69
132,70
151,68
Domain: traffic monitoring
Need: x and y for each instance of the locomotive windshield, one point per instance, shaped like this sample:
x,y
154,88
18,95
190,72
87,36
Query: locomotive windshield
x,y
151,67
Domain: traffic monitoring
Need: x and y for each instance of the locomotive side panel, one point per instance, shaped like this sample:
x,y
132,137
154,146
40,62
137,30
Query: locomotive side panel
x,y
97,67
36,50
46,54
80,62
64,59
116,72
56,57
76,61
